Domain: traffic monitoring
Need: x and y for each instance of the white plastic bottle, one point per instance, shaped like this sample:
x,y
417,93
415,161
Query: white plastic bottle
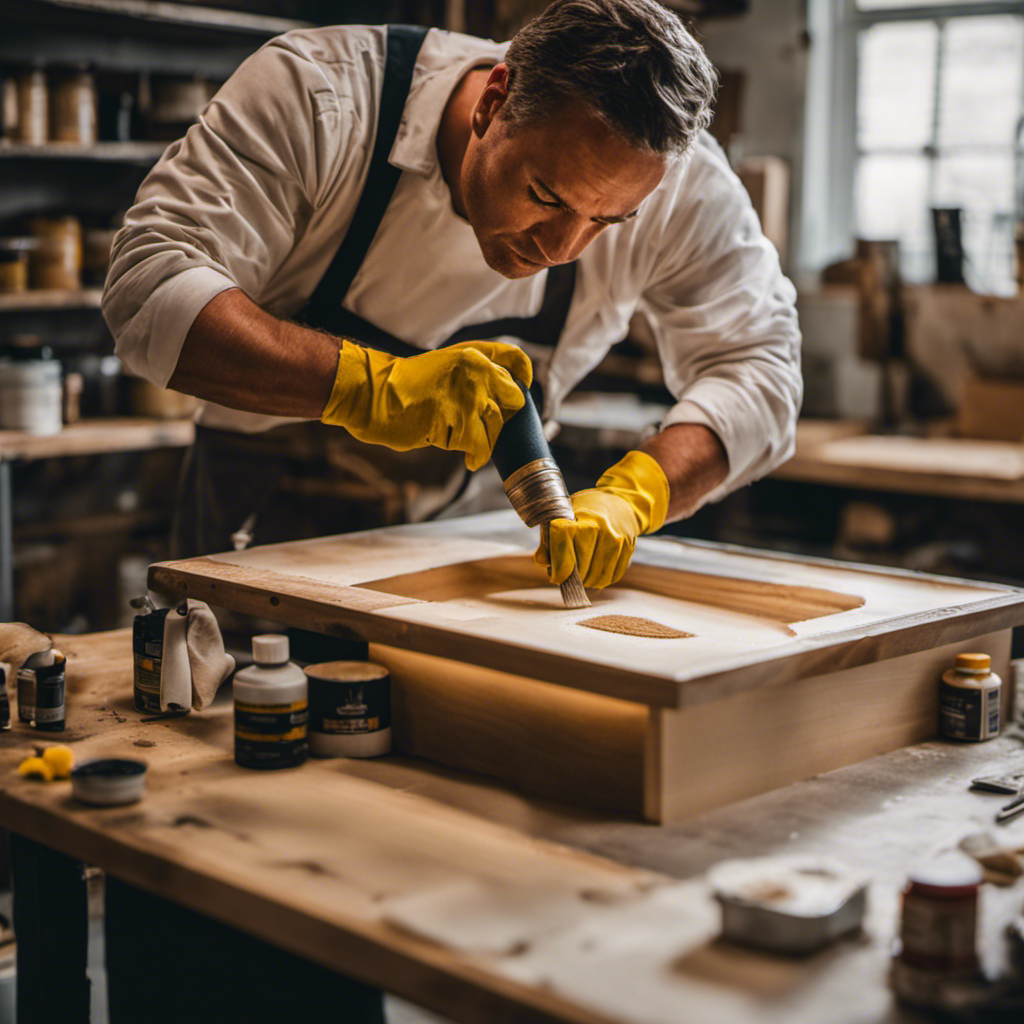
x,y
970,699
271,707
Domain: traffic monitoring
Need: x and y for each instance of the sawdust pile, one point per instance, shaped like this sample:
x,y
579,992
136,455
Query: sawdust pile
x,y
633,625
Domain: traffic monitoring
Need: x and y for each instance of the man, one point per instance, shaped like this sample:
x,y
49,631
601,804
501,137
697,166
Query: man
x,y
543,192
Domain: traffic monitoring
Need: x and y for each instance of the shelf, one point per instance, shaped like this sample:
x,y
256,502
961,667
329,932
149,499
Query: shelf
x,y
20,302
158,12
118,152
98,437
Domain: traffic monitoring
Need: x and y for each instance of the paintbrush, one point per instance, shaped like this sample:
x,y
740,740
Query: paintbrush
x,y
533,482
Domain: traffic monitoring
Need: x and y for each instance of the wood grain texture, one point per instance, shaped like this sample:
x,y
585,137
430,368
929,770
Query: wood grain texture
x,y
311,859
713,754
555,742
469,586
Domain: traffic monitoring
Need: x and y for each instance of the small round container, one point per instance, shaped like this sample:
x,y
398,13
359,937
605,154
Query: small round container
x,y
14,264
74,107
56,263
349,709
271,707
970,699
33,107
109,781
31,396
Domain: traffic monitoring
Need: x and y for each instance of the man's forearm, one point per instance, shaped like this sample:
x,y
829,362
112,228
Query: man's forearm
x,y
237,355
694,461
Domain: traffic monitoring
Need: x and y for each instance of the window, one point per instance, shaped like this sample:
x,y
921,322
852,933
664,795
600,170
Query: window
x,y
929,115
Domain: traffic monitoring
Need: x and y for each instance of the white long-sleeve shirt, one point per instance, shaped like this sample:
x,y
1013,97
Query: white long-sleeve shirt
x,y
260,192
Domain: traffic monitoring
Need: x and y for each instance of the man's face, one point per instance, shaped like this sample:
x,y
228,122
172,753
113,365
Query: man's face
x,y
541,193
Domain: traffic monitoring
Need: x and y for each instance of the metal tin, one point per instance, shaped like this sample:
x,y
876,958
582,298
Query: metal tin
x,y
787,904
349,709
49,712
109,781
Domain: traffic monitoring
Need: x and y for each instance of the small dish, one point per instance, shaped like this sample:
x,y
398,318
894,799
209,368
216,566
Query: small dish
x,y
787,904
109,781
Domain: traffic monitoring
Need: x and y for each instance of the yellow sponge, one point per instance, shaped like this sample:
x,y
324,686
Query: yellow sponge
x,y
35,768
60,759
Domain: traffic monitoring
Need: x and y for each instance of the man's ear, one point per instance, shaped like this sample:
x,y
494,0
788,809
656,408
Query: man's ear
x,y
491,100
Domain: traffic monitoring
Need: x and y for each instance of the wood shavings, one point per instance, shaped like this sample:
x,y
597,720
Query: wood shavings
x,y
634,625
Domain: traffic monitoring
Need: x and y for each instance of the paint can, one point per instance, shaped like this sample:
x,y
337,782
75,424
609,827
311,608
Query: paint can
x,y
938,929
31,397
970,698
49,713
349,709
27,684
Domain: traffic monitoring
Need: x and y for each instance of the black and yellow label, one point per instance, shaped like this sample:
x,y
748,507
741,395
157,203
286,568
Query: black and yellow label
x,y
271,735
147,684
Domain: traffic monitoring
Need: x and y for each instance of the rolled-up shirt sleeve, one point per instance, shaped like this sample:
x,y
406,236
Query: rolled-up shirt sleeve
x,y
222,207
724,318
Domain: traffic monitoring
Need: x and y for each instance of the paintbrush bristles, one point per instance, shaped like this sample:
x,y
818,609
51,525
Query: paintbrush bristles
x,y
573,594
537,492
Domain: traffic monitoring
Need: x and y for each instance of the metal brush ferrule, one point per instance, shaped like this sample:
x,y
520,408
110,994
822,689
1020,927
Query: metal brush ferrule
x,y
538,493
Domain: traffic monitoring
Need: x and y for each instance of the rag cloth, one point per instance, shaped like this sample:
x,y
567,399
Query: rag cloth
x,y
207,659
19,641
208,663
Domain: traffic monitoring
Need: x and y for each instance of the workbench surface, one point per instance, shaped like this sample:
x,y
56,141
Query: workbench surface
x,y
482,905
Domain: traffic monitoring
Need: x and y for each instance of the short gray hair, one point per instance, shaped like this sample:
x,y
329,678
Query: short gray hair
x,y
632,61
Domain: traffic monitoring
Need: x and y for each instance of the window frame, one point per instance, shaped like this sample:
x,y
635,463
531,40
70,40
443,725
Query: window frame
x,y
828,222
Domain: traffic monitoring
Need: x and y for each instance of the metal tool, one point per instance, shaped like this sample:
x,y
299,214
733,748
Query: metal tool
x,y
1013,808
533,482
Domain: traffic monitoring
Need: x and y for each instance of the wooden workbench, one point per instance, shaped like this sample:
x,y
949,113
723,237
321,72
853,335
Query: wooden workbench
x,y
481,905
842,453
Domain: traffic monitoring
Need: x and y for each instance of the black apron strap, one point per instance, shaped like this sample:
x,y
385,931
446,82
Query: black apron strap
x,y
324,310
543,329
403,47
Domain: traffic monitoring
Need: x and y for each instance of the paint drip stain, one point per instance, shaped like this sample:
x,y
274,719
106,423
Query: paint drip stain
x,y
633,625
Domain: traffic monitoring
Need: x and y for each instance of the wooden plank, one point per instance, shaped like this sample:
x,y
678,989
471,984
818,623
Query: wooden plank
x,y
752,617
116,152
816,462
96,437
44,298
558,743
712,754
333,610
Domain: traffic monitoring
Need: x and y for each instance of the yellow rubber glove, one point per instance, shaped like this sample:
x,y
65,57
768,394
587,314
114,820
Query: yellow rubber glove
x,y
456,398
631,498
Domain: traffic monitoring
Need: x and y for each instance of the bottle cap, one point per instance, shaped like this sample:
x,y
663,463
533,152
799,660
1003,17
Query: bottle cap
x,y
270,649
973,663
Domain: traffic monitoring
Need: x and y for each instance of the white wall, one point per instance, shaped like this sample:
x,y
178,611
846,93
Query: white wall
x,y
768,45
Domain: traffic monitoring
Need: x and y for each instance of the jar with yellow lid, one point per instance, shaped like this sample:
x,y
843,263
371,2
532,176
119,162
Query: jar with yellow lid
x,y
970,698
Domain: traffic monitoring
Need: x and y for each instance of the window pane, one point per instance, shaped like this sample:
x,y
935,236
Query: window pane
x,y
982,185
896,85
983,62
892,203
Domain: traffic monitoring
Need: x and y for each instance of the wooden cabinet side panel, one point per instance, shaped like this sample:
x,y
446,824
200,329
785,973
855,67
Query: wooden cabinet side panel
x,y
713,754
545,739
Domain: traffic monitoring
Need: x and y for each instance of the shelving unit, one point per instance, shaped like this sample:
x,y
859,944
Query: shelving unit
x,y
117,152
41,299
122,40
